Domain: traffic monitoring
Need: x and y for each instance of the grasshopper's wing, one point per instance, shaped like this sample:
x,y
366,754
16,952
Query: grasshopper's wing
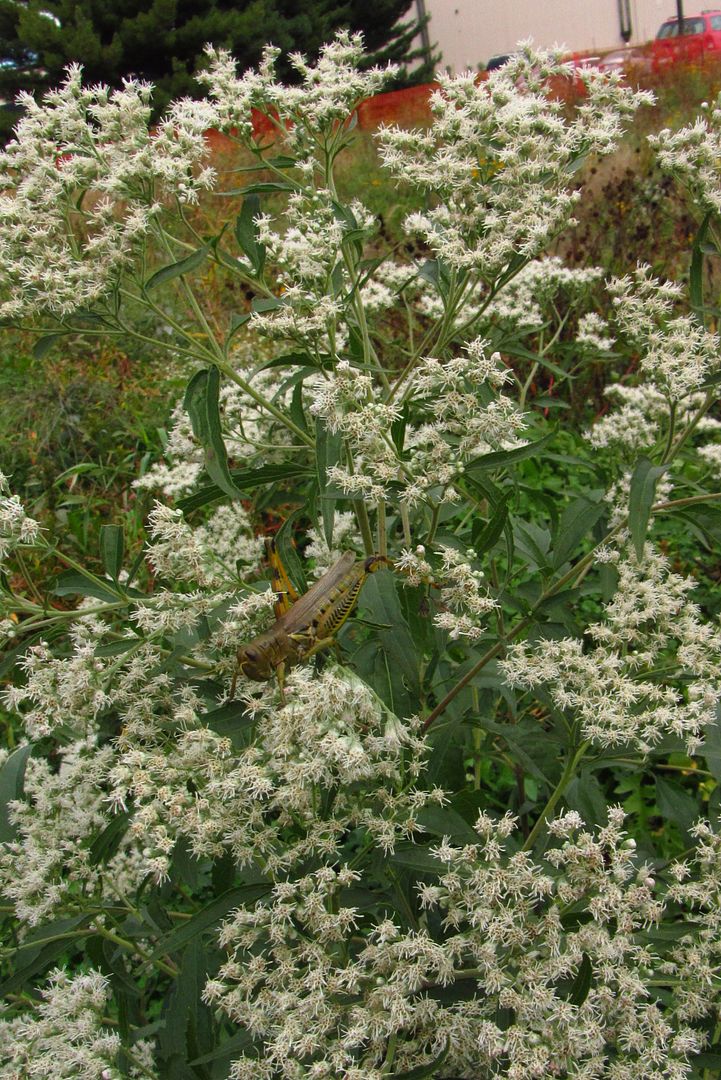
x,y
323,591
280,583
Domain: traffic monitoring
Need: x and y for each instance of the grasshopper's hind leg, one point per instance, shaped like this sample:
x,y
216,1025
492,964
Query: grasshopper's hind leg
x,y
280,675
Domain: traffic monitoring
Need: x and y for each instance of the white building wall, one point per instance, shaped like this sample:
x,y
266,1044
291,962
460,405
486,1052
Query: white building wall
x,y
468,32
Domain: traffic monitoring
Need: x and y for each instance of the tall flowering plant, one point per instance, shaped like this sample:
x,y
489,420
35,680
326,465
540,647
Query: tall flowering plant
x,y
410,861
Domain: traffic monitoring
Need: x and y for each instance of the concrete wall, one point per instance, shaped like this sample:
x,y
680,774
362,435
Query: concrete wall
x,y
468,32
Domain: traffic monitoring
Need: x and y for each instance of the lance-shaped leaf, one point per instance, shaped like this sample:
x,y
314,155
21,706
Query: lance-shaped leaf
x,y
643,490
201,403
111,549
177,269
12,776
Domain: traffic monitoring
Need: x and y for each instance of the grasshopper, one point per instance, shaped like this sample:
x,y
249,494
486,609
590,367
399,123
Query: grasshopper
x,y
304,625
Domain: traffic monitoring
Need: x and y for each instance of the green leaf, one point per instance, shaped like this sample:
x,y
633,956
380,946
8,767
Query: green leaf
x,y
207,919
226,1050
103,846
501,458
442,821
111,549
246,480
287,553
186,1020
236,321
514,348
230,721
533,543
73,583
297,412
12,777
43,345
45,952
398,428
201,403
582,983
712,745
576,521
246,233
695,275
328,451
429,1070
676,804
262,304
643,489
416,858
379,601
487,535
177,269
267,187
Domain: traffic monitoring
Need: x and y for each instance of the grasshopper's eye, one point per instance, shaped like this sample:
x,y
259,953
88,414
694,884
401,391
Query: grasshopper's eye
x,y
251,654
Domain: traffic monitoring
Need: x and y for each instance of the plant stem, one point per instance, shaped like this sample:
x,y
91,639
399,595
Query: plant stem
x,y
381,527
566,777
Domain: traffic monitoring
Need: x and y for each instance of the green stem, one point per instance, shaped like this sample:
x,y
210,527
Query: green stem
x,y
671,432
692,500
381,527
360,510
435,513
566,777
689,430
263,403
124,943
406,523
708,1074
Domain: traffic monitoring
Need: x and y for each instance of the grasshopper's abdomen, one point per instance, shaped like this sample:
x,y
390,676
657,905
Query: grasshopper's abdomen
x,y
343,597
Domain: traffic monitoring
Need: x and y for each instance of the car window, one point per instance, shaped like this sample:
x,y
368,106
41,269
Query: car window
x,y
690,26
716,22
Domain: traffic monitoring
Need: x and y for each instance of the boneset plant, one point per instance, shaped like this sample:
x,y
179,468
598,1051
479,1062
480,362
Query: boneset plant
x,y
413,863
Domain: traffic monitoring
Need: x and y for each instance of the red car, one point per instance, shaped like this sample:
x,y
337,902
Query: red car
x,y
700,37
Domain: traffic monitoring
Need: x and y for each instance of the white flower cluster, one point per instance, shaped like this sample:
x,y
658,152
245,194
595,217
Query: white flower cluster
x,y
209,554
308,255
606,681
327,92
317,993
696,958
48,868
346,400
174,549
73,690
467,417
638,423
524,302
500,153
677,353
592,333
15,525
692,154
332,733
63,1035
345,536
61,254
464,594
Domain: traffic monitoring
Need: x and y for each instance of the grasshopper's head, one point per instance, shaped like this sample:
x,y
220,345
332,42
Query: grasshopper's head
x,y
255,661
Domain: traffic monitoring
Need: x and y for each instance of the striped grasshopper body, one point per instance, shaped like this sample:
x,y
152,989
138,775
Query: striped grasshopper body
x,y
309,624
